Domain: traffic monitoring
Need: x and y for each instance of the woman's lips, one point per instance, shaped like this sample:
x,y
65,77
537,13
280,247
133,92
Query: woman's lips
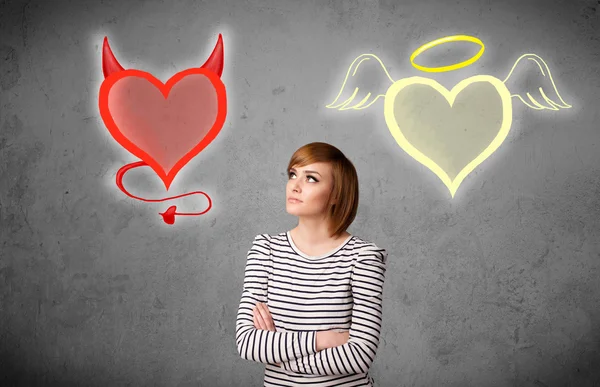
x,y
294,201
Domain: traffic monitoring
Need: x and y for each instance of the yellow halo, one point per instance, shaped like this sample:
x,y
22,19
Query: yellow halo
x,y
447,39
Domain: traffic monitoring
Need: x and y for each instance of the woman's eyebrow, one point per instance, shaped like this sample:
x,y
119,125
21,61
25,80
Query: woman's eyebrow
x,y
294,169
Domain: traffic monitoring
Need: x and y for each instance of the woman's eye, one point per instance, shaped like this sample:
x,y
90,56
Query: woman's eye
x,y
308,177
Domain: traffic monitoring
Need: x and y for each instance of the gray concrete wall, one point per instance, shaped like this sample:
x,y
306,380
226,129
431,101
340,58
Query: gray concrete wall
x,y
497,286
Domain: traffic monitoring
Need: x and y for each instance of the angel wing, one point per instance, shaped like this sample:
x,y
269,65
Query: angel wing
x,y
534,67
362,88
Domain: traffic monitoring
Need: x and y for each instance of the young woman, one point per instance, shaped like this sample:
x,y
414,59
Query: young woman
x,y
311,305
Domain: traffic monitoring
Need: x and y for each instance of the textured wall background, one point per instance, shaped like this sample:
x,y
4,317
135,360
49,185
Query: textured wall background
x,y
496,287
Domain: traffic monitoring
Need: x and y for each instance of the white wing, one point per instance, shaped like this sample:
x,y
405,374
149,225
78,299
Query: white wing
x,y
535,68
362,88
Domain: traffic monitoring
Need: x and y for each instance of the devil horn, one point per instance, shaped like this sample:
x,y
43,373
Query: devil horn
x,y
214,62
109,62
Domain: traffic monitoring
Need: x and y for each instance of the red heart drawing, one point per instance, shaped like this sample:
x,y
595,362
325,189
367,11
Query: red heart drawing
x,y
165,125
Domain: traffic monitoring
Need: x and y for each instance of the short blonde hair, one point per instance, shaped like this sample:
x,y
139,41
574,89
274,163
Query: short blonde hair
x,y
345,182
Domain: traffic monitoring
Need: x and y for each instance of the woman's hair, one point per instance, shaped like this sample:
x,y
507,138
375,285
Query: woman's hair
x,y
345,182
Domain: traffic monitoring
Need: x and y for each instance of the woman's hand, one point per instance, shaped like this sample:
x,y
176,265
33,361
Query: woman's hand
x,y
263,319
330,339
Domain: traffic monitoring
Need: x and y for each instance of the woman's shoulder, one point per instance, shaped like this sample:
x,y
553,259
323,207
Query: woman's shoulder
x,y
262,239
367,248
361,243
266,239
270,237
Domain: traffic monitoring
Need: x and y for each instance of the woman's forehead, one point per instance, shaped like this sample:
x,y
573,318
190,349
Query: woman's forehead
x,y
318,167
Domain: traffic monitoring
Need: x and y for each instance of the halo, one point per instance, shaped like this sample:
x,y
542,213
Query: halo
x,y
447,39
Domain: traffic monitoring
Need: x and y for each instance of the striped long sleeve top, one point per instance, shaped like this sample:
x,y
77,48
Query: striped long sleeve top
x,y
342,290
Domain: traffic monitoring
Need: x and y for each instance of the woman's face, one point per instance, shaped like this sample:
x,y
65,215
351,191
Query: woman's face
x,y
312,185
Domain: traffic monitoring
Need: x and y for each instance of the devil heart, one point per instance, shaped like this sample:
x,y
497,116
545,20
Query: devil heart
x,y
165,125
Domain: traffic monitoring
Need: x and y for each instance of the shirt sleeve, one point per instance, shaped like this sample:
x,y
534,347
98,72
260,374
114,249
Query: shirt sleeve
x,y
262,345
358,353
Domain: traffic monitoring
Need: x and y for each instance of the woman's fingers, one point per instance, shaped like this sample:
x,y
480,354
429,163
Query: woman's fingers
x,y
262,317
257,323
266,316
259,319
270,322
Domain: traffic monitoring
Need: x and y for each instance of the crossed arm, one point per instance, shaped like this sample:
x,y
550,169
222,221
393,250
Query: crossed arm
x,y
297,351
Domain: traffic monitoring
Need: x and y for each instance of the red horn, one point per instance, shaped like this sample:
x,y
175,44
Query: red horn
x,y
109,63
214,62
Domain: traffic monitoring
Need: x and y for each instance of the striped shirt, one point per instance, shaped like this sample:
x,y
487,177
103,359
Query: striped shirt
x,y
342,289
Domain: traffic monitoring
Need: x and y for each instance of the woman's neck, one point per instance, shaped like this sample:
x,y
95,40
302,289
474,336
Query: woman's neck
x,y
315,235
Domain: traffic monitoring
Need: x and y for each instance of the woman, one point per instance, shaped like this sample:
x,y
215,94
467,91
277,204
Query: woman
x,y
311,305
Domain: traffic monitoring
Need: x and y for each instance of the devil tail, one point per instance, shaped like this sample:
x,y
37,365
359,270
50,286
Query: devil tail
x,y
171,212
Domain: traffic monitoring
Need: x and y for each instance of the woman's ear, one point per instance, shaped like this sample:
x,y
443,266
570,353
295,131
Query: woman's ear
x,y
332,201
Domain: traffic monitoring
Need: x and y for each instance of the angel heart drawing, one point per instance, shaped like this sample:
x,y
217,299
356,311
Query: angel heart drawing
x,y
451,132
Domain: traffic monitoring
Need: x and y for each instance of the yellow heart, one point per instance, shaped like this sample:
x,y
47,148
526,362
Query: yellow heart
x,y
450,134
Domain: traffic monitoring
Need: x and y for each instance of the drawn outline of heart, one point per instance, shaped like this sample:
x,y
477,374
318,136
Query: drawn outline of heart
x,y
450,96
166,177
